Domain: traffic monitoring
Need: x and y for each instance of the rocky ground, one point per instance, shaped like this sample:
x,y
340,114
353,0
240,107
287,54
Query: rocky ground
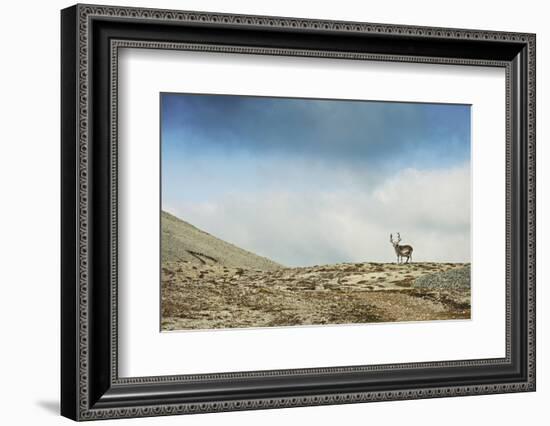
x,y
208,295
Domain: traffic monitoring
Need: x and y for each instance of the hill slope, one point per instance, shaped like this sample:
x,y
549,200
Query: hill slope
x,y
182,241
211,296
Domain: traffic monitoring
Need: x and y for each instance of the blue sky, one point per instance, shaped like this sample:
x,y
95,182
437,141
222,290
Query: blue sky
x,y
243,167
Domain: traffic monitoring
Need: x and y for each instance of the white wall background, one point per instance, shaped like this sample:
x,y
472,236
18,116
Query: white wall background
x,y
29,218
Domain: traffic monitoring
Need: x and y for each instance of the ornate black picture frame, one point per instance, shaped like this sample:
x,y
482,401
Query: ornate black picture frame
x,y
91,36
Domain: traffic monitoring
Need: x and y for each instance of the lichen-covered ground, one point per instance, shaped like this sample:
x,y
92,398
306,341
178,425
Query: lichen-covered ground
x,y
208,296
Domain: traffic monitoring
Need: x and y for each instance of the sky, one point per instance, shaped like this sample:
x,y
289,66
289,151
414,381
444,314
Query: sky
x,y
312,181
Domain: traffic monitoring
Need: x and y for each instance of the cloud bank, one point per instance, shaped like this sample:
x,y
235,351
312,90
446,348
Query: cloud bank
x,y
431,210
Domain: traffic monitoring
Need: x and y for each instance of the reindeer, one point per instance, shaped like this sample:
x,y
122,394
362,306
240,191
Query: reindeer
x,y
401,251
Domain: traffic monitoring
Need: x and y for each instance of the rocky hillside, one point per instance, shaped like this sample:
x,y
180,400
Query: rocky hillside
x,y
208,283
209,296
184,243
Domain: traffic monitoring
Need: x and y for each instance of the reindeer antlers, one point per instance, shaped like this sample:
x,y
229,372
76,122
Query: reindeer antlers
x,y
398,238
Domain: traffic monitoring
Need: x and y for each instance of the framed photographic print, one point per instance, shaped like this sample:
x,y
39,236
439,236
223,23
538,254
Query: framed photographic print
x,y
263,212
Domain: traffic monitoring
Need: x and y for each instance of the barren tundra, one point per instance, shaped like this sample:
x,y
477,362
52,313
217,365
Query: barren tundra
x,y
208,284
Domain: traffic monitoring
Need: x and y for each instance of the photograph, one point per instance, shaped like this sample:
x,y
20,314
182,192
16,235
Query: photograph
x,y
264,209
280,211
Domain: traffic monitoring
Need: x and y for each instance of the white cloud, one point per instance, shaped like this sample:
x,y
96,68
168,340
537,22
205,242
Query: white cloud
x,y
431,210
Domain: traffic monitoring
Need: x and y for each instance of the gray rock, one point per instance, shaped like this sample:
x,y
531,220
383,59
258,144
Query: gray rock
x,y
453,279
